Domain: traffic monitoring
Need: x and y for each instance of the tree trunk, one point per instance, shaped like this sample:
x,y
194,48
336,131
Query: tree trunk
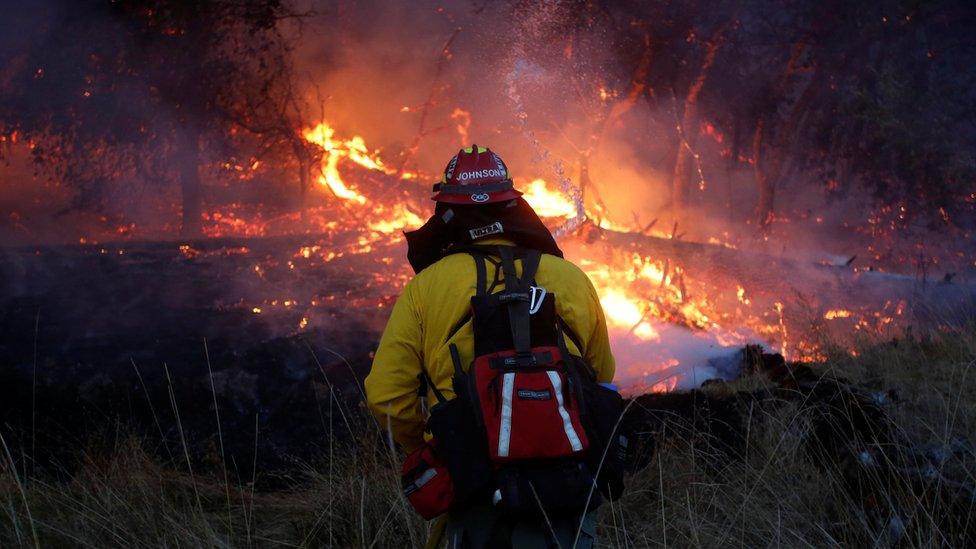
x,y
304,157
769,166
730,165
303,191
681,181
638,85
688,131
190,189
586,184
765,179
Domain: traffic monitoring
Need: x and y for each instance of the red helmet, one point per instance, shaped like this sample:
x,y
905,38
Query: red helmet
x,y
475,176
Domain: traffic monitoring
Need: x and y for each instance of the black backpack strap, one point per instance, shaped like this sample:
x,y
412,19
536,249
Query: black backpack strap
x,y
563,331
516,297
427,383
481,287
456,361
566,330
530,266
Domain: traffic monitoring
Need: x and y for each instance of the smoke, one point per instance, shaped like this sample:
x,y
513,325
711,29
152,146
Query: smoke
x,y
677,359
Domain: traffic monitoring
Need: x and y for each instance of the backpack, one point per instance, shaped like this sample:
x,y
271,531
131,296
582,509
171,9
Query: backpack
x,y
529,427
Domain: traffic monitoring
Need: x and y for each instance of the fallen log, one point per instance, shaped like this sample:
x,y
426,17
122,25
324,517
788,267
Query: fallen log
x,y
776,278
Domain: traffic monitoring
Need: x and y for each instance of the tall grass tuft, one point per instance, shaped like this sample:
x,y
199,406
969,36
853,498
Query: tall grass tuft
x,y
775,490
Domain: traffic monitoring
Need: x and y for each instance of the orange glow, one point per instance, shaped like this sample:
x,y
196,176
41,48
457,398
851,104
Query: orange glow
x,y
395,219
462,120
546,202
353,149
624,312
647,294
321,135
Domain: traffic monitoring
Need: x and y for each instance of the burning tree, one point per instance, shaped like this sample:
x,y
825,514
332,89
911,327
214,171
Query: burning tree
x,y
844,97
163,92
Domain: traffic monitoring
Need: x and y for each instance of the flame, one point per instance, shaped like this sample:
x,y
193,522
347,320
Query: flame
x,y
642,296
462,120
384,220
353,149
546,202
321,135
740,293
399,218
624,312
636,291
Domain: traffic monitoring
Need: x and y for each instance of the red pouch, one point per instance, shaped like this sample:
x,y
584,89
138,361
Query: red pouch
x,y
529,412
426,483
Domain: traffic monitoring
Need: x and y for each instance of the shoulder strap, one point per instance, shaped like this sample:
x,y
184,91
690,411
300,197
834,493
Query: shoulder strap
x,y
566,330
530,266
516,296
427,383
481,287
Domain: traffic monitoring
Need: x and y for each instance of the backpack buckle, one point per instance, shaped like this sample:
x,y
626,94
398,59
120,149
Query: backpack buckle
x,y
506,297
520,360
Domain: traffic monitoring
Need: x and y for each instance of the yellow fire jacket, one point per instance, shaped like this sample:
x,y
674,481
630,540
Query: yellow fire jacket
x,y
431,305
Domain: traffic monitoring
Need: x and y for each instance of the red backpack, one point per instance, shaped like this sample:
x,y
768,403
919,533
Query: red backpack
x,y
529,426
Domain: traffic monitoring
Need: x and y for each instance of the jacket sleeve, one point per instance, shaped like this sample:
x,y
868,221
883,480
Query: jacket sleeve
x,y
392,383
597,352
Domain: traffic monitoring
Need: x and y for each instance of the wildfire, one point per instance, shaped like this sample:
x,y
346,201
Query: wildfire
x,y
397,219
653,306
624,312
740,293
547,203
462,120
353,149
636,291
382,219
322,135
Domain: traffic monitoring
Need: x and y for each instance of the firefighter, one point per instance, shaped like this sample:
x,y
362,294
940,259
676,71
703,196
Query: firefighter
x,y
476,204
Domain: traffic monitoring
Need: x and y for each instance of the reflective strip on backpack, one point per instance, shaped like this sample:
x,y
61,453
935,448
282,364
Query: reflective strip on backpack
x,y
423,479
505,430
574,439
426,477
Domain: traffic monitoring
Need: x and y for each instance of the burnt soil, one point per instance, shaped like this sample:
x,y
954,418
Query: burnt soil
x,y
98,342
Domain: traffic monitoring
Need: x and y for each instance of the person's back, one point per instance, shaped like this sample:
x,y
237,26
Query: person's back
x,y
433,317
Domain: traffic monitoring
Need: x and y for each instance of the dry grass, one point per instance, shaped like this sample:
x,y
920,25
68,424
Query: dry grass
x,y
126,499
691,494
